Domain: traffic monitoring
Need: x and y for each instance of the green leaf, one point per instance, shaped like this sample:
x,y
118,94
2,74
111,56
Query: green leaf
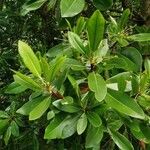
x,y
60,127
70,108
139,130
59,50
75,65
70,8
3,125
124,19
46,70
27,7
121,62
98,85
76,42
141,37
61,79
80,25
15,88
94,136
7,135
29,58
67,100
144,79
94,119
124,104
26,81
14,128
40,109
3,114
82,124
50,115
54,129
29,106
74,84
35,142
145,129
95,28
136,129
51,4
121,141
103,4
56,67
70,127
102,49
130,65
122,81
122,42
147,66
134,55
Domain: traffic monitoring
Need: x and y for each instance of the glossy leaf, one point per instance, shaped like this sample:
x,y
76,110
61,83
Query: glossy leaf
x,y
3,114
102,49
97,85
141,37
46,69
56,66
80,25
70,108
94,119
121,141
7,135
147,66
50,115
27,7
60,127
40,109
76,42
103,4
51,4
29,106
122,81
15,88
74,84
3,125
59,50
26,81
145,131
70,127
14,128
29,58
75,65
124,104
124,19
94,136
70,8
95,28
82,124
54,129
134,55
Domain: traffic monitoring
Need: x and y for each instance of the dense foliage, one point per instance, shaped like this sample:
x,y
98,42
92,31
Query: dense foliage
x,y
75,74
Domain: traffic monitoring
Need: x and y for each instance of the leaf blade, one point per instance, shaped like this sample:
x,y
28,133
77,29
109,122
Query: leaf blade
x,y
98,85
70,8
95,29
40,109
124,104
29,58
